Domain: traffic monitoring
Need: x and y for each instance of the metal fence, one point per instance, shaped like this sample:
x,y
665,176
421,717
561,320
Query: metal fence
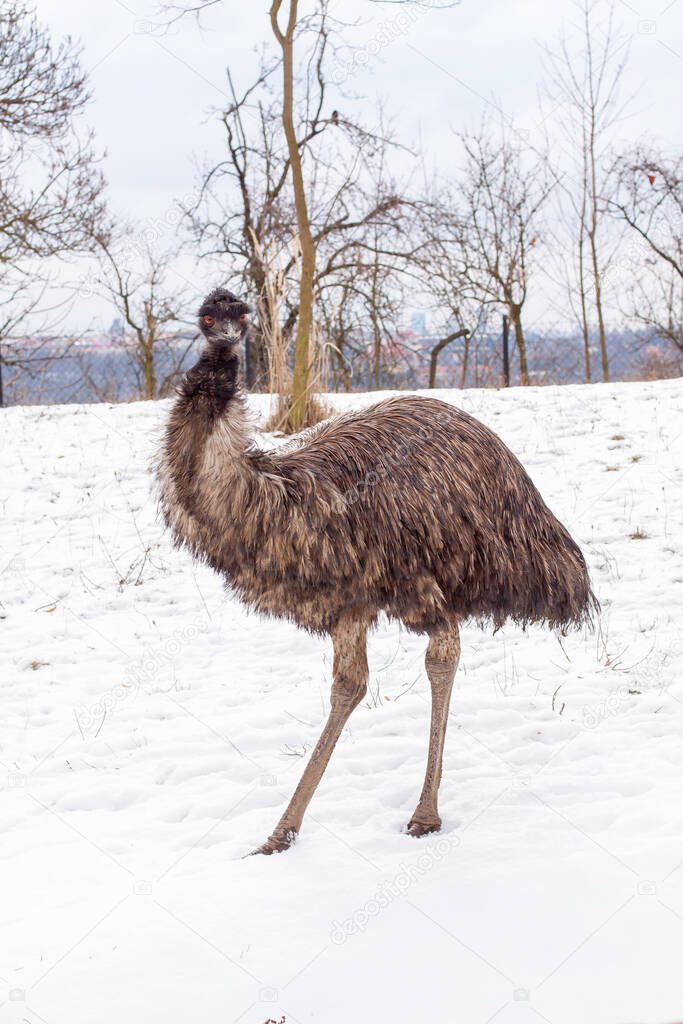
x,y
51,371
57,371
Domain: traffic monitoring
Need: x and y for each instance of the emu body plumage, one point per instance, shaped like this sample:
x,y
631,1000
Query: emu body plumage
x,y
411,507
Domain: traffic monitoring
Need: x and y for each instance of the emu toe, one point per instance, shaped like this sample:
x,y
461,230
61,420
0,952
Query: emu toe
x,y
277,843
423,828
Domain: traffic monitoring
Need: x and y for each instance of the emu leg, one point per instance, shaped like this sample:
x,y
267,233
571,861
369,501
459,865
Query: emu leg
x,y
349,684
441,661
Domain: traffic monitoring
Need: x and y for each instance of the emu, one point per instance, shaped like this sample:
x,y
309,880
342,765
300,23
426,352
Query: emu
x,y
410,507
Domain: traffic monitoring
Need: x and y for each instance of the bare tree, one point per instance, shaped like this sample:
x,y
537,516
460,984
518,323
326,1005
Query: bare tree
x,y
648,198
363,274
332,172
648,195
50,187
441,262
148,306
243,207
240,206
494,223
657,304
583,84
20,295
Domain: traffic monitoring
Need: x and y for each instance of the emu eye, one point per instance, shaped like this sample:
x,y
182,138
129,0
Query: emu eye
x,y
243,318
208,321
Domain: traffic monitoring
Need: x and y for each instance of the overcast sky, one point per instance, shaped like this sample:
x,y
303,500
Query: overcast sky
x,y
153,94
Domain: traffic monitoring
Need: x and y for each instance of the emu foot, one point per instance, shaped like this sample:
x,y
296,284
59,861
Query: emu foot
x,y
277,843
423,828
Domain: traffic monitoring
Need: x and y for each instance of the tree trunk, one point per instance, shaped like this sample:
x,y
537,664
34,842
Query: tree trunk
x,y
582,275
593,234
343,369
300,385
516,321
376,322
258,339
595,265
438,348
465,361
377,347
584,312
255,360
149,371
598,308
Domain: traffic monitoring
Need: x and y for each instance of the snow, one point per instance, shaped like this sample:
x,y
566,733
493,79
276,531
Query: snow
x,y
153,731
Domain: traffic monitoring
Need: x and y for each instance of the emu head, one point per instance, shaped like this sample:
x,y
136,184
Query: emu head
x,y
223,318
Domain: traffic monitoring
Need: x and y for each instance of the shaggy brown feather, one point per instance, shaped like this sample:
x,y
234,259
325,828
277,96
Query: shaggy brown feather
x,y
411,507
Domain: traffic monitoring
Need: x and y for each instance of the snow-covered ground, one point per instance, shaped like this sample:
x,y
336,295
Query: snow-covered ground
x,y
152,732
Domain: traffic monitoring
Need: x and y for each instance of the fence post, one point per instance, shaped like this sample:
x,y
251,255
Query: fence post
x,y
506,350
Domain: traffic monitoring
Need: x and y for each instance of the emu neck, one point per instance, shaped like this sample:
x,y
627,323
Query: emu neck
x,y
206,442
210,387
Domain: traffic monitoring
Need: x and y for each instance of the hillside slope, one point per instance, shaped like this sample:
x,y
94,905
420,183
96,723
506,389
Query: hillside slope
x,y
152,731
